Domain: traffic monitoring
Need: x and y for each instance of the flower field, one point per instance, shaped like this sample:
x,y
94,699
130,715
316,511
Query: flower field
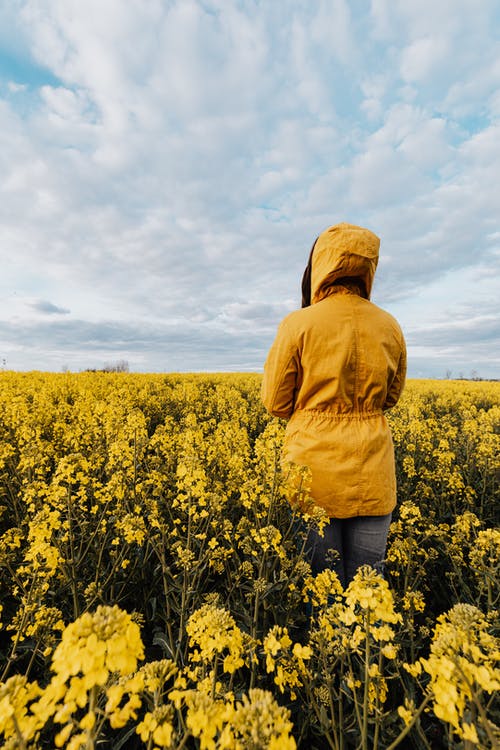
x,y
154,591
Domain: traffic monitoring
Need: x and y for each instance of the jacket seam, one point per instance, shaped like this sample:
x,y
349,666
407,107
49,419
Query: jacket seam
x,y
356,352
359,462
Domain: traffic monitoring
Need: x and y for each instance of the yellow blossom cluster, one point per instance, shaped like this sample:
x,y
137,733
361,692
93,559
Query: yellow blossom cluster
x,y
464,667
213,631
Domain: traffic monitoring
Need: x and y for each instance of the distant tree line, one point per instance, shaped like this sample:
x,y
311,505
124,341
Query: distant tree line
x,y
473,376
120,366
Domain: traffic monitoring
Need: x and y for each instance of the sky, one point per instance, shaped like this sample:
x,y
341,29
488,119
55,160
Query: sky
x,y
165,166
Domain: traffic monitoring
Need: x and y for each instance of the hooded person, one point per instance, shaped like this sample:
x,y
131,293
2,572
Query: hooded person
x,y
335,367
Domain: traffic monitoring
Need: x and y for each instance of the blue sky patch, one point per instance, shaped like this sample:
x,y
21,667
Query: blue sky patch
x,y
24,71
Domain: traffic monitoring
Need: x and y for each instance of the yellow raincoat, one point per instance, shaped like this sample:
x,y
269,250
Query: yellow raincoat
x,y
332,371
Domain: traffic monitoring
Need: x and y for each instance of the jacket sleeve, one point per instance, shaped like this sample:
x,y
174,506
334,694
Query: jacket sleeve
x,y
280,374
396,387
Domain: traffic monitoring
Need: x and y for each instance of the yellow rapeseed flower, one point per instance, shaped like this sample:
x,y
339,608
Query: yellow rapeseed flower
x,y
322,588
276,640
15,696
157,724
407,711
259,722
368,596
96,644
213,630
463,665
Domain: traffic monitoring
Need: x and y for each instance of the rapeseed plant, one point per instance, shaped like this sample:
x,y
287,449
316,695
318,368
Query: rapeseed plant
x,y
464,670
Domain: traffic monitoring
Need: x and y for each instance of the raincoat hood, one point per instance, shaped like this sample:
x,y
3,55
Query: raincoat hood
x,y
343,250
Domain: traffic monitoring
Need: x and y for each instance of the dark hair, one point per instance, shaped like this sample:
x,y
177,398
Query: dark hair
x,y
351,282
354,283
306,279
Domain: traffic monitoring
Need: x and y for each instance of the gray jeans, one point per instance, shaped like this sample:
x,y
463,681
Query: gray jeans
x,y
358,541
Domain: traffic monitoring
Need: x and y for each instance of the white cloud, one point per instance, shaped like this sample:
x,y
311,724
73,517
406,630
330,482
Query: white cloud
x,y
374,88
380,176
331,29
453,17
175,169
15,88
428,145
421,59
381,14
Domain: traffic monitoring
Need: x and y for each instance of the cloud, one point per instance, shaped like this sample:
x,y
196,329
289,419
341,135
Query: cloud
x,y
16,87
48,308
175,347
173,162
422,57
482,329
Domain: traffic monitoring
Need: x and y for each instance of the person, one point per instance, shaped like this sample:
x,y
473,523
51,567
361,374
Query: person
x,y
336,365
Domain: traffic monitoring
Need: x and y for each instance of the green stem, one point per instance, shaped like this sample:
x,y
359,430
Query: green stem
x,y
364,727
73,577
490,594
354,692
333,717
255,616
33,655
253,634
164,570
214,678
19,735
12,656
341,721
184,592
320,716
90,744
378,711
486,724
410,726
